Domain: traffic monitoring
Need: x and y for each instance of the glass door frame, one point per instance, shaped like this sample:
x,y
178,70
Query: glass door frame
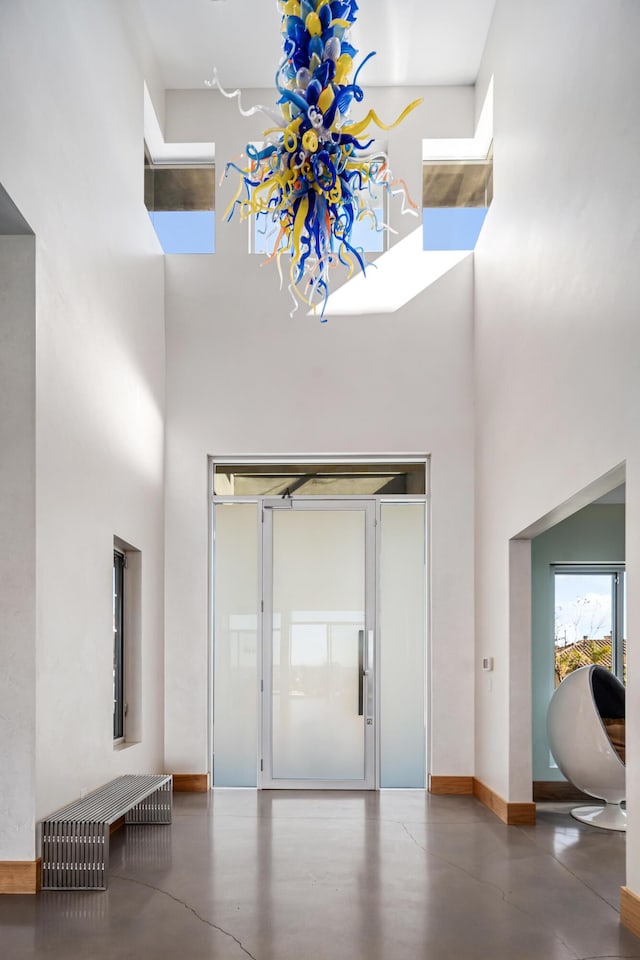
x,y
378,500
370,719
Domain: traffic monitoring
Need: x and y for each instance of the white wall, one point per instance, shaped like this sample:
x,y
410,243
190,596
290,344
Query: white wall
x,y
245,378
71,159
17,546
557,343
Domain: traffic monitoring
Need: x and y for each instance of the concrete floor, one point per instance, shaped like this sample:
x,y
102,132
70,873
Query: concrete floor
x,y
312,876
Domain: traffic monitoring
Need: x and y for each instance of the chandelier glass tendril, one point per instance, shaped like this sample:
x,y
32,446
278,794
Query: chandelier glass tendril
x,y
316,173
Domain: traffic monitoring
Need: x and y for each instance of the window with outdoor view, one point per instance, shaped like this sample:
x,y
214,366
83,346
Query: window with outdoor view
x,y
590,618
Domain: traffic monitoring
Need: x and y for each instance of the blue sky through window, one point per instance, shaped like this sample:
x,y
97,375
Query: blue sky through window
x,y
452,228
185,231
582,607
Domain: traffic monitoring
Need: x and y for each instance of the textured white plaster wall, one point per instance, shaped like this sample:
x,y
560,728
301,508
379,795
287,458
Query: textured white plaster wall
x,y
245,378
72,132
557,342
17,547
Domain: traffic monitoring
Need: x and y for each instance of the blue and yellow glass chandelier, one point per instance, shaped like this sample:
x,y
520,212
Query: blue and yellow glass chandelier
x,y
315,174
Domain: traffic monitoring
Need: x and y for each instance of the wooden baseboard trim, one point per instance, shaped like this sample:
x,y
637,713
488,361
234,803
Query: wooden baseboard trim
x,y
630,910
513,814
20,876
451,786
190,782
558,791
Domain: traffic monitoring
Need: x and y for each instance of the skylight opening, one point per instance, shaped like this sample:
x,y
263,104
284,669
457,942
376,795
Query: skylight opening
x,y
179,188
180,199
457,185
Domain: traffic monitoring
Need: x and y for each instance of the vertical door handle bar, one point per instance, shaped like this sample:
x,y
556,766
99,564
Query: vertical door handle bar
x,y
361,673
368,672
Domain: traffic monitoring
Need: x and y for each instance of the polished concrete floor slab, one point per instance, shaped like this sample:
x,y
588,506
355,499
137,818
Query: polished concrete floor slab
x,y
397,875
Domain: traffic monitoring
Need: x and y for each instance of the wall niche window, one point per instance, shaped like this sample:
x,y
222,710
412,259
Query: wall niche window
x,y
126,663
119,705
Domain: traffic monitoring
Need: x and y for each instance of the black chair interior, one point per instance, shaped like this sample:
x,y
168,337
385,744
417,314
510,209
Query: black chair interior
x,y
608,693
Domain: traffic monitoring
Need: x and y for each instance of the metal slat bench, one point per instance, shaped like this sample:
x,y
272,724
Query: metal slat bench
x,y
75,839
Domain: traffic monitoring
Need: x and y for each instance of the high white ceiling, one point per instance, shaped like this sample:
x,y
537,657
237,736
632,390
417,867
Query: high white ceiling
x,y
418,42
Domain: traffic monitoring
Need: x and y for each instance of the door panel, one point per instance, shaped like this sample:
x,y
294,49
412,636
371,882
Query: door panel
x,y
318,691
236,648
401,622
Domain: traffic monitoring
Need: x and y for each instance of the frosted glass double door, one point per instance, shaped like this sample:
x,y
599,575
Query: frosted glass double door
x,y
318,651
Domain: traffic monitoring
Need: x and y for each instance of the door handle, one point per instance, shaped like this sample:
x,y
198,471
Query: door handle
x,y
361,673
368,672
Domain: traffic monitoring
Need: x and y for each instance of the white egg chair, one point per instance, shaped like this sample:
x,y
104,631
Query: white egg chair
x,y
588,703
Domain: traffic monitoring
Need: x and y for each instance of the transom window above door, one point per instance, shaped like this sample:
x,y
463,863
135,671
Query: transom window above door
x,y
319,479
